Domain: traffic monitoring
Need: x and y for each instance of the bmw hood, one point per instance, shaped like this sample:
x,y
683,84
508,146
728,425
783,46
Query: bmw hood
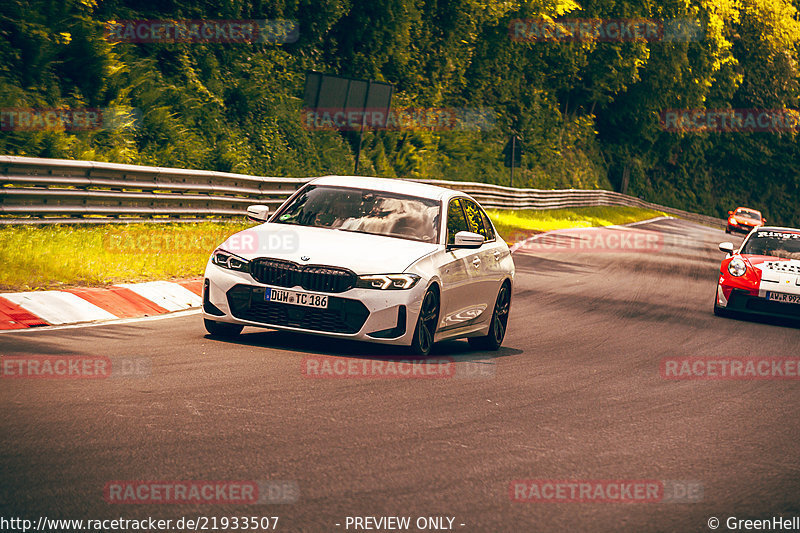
x,y
360,252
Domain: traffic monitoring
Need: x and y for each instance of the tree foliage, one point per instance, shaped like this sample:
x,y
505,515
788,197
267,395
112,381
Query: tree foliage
x,y
587,110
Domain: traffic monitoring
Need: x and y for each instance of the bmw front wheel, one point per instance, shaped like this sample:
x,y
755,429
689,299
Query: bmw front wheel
x,y
426,324
221,329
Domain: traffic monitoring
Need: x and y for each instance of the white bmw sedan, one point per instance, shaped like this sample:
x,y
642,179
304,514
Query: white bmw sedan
x,y
379,260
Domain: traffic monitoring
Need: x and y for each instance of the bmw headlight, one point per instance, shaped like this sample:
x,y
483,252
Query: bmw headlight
x,y
230,261
387,281
731,220
737,267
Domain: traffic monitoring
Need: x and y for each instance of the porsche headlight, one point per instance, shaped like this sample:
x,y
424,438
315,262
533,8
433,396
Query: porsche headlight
x,y
387,281
230,261
737,267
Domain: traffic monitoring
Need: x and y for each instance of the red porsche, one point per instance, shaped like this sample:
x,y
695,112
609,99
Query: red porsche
x,y
762,277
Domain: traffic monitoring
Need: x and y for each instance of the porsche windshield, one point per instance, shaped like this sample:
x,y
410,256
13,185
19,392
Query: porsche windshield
x,y
784,244
748,214
364,211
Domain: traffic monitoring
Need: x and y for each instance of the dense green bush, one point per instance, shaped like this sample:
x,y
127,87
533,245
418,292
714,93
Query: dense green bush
x,y
588,111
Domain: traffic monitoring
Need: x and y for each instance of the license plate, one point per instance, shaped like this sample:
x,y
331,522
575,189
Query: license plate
x,y
320,301
783,297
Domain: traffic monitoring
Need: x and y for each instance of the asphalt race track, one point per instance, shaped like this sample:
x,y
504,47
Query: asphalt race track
x,y
576,393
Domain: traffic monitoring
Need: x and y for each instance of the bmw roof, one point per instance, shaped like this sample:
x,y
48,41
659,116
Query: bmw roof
x,y
399,186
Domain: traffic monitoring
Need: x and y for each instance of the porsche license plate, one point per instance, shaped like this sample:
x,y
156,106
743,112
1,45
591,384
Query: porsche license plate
x,y
783,297
320,301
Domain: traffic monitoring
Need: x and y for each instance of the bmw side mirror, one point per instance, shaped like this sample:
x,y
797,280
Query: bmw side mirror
x,y
730,213
258,213
467,239
763,220
726,247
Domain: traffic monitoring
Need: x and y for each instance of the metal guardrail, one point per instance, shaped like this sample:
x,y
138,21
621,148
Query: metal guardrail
x,y
500,197
46,191
34,190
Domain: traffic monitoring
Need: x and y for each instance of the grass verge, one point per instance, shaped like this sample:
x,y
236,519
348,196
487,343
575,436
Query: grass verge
x,y
52,257
516,225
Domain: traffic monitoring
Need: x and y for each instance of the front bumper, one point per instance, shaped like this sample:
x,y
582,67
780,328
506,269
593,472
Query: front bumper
x,y
740,228
384,316
746,301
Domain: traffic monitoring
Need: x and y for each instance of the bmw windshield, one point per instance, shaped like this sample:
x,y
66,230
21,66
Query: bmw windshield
x,y
363,211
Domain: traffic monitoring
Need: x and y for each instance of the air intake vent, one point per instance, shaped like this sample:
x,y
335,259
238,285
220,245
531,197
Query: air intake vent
x,y
310,277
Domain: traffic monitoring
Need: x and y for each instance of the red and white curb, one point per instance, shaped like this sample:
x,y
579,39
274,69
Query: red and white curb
x,y
21,310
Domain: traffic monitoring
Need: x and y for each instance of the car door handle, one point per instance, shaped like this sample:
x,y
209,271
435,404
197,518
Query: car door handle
x,y
476,262
497,255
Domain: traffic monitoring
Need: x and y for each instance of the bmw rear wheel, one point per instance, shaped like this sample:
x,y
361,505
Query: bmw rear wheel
x,y
497,329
